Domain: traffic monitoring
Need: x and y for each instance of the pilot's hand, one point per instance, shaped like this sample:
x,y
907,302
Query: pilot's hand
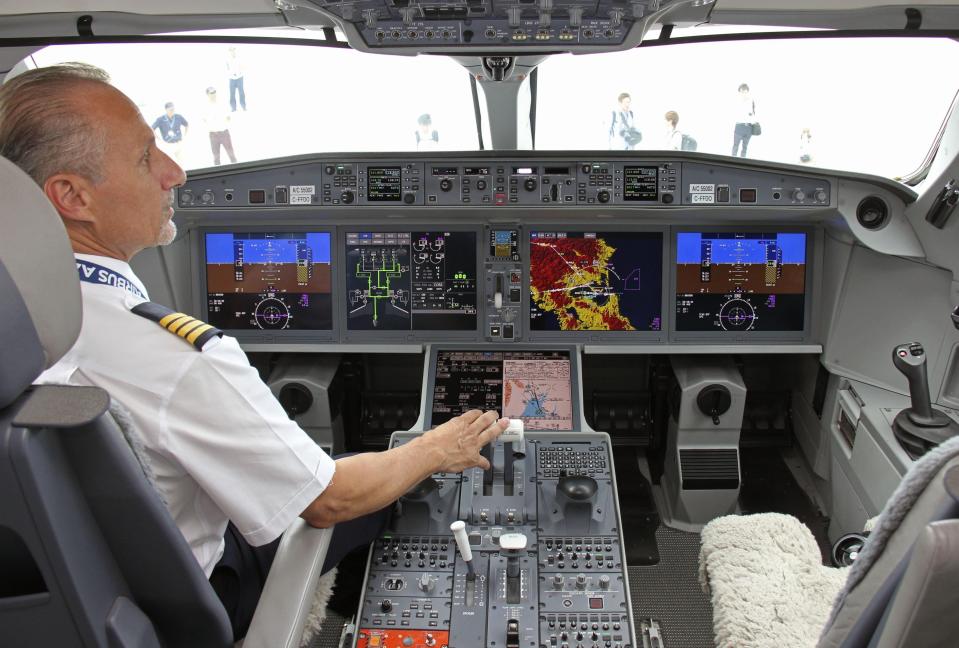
x,y
460,439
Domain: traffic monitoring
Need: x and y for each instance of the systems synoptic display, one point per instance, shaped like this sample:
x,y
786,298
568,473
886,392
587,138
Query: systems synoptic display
x,y
419,281
531,385
596,281
268,280
740,281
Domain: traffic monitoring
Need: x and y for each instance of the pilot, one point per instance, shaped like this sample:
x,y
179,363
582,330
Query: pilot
x,y
223,451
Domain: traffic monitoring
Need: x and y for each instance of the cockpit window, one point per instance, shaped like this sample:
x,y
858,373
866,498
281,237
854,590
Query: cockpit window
x,y
869,105
219,103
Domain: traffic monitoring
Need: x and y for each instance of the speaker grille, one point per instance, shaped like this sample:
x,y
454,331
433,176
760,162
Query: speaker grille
x,y
709,469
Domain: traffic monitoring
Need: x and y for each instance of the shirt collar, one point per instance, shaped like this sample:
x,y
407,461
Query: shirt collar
x,y
118,266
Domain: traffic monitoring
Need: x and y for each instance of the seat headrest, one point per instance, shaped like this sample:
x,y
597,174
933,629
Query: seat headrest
x,y
36,253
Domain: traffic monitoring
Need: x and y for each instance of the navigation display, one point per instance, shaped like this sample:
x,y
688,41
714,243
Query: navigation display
x,y
268,280
596,281
531,385
419,281
740,281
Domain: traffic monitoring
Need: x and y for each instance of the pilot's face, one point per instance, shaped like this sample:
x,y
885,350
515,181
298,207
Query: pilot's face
x,y
133,205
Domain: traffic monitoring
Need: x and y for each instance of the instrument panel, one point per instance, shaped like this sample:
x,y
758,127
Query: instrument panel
x,y
529,250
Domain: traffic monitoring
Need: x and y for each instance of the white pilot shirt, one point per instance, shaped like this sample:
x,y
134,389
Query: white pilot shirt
x,y
221,446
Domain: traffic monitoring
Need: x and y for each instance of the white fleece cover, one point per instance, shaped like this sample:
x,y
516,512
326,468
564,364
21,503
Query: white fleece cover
x,y
768,585
314,620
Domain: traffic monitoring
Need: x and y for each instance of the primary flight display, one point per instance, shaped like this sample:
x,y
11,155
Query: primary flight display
x,y
268,280
740,281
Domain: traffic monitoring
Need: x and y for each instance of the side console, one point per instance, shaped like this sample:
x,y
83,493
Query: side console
x,y
526,555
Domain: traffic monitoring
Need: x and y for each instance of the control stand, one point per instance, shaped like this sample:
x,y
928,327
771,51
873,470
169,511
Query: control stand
x,y
919,428
530,553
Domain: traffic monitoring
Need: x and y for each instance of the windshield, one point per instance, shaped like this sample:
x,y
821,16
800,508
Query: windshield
x,y
869,105
275,100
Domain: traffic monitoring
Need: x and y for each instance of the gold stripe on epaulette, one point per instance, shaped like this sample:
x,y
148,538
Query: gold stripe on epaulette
x,y
180,323
166,319
184,330
197,332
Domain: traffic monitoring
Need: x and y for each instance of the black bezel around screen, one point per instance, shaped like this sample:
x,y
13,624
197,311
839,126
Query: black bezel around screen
x,y
574,372
322,327
748,335
584,335
468,330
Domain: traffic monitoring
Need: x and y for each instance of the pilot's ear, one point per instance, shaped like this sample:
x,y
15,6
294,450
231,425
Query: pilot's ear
x,y
70,195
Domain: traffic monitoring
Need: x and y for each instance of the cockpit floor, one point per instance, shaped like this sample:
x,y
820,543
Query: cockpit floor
x,y
669,592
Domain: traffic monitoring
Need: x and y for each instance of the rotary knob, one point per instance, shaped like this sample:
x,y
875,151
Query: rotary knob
x,y
481,184
386,605
427,583
558,581
604,581
820,195
347,197
409,198
529,184
186,197
581,581
799,195
603,196
446,184
206,197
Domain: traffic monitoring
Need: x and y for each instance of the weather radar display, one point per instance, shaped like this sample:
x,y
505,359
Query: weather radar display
x,y
596,281
530,385
740,281
268,280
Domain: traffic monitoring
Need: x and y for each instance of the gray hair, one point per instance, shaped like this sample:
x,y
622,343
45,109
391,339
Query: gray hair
x,y
43,131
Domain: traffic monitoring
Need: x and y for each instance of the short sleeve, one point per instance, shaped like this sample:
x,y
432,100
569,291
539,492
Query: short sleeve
x,y
156,124
227,430
183,120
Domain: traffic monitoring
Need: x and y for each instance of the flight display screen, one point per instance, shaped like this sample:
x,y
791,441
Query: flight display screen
x,y
531,385
269,280
413,281
596,281
740,281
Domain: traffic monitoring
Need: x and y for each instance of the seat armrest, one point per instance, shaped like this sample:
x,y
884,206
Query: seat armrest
x,y
288,593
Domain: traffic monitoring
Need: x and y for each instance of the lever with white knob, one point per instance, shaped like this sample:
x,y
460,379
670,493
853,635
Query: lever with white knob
x,y
463,543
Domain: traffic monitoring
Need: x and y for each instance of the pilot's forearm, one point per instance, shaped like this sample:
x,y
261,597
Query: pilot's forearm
x,y
367,482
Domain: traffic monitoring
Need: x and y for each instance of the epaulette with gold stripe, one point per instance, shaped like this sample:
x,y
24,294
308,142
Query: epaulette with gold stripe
x,y
189,328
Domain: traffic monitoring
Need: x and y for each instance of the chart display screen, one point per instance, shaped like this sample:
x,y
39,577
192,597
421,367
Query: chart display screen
x,y
740,281
596,281
268,280
414,281
531,385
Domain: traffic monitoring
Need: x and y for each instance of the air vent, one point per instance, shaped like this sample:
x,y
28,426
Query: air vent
x,y
709,469
872,213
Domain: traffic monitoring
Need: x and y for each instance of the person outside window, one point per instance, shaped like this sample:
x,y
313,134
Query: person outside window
x,y
623,134
217,122
234,68
172,127
805,147
427,138
745,121
674,138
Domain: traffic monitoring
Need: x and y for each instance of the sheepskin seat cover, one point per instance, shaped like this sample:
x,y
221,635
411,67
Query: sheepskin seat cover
x,y
768,586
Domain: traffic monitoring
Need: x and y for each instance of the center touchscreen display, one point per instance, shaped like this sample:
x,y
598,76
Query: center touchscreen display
x,y
531,385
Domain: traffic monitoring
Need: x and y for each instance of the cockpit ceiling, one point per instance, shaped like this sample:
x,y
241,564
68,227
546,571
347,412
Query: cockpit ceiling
x,y
481,27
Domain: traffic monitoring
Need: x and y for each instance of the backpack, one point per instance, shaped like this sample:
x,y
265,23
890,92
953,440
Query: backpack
x,y
688,143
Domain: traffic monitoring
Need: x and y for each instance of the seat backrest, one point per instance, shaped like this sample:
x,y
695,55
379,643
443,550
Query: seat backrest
x,y
88,552
895,577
